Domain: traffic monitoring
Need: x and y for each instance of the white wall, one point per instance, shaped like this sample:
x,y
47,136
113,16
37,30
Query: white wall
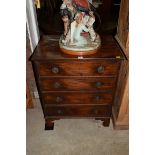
x,y
32,24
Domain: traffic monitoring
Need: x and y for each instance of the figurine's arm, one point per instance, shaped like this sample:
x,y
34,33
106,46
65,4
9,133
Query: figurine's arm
x,y
64,4
84,28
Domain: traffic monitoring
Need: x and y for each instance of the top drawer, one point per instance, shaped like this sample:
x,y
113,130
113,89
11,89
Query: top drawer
x,y
78,68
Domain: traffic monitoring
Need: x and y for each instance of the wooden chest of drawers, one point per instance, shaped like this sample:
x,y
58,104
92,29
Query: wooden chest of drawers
x,y
76,86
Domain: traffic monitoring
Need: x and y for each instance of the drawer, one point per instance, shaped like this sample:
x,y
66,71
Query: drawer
x,y
59,98
76,84
81,111
78,68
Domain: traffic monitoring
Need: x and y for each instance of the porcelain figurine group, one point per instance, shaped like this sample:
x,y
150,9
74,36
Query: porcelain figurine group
x,y
78,22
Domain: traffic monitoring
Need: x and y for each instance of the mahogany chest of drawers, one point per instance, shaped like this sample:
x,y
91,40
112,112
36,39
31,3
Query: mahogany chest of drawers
x,y
76,86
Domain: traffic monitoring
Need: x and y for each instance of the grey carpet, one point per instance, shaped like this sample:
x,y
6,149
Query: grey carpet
x,y
72,136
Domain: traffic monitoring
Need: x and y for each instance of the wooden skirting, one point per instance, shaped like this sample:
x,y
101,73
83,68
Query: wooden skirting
x,y
119,125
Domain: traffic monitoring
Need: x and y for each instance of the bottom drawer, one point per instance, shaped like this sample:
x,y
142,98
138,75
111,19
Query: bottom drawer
x,y
78,111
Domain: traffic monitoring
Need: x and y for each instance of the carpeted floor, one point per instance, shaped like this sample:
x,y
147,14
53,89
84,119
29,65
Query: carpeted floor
x,y
73,136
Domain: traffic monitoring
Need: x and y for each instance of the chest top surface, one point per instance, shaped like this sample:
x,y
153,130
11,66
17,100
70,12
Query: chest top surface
x,y
48,49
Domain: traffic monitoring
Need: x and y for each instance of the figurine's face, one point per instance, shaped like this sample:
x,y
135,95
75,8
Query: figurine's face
x,y
65,18
67,1
79,18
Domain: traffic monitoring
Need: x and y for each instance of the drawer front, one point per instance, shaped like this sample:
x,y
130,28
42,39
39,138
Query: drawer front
x,y
76,84
78,68
59,98
81,111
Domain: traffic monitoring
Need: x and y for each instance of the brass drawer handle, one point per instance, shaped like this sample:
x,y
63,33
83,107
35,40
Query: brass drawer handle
x,y
100,69
60,112
57,85
97,98
98,84
55,70
59,99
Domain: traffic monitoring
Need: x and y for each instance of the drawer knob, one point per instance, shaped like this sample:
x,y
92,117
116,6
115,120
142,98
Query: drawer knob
x,y
97,98
58,99
96,111
100,69
55,70
59,112
57,85
98,84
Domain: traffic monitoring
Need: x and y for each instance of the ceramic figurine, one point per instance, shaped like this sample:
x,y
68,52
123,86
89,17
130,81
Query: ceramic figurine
x,y
79,34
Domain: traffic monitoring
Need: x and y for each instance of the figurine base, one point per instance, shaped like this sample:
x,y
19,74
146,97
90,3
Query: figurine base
x,y
86,49
79,53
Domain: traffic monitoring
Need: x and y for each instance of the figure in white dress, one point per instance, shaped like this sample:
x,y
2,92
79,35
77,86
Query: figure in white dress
x,y
78,28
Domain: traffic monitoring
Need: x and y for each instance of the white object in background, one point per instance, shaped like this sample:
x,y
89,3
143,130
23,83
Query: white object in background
x,y
36,95
32,24
90,1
